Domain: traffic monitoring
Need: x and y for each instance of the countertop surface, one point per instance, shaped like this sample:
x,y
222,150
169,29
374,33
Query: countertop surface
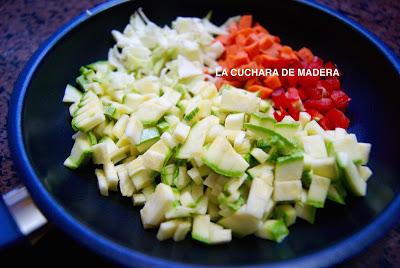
x,y
25,24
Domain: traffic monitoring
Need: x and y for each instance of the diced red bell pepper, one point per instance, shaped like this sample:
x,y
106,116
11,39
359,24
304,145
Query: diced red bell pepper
x,y
308,81
331,83
302,95
280,114
325,123
331,65
294,112
322,105
292,94
279,98
314,93
340,99
285,82
315,114
290,81
338,119
311,81
316,63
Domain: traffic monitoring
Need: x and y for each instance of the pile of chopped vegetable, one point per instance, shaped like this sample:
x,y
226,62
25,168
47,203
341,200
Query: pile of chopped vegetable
x,y
252,46
207,161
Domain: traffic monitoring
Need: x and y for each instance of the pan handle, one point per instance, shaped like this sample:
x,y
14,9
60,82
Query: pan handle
x,y
9,231
20,219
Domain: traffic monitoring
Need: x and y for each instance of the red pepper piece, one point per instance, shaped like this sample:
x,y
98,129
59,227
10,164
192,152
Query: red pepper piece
x,y
314,114
279,98
279,115
340,99
322,105
325,123
331,83
338,119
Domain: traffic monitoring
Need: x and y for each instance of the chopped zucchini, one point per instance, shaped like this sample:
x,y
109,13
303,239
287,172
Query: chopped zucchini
x,y
262,120
234,121
287,213
259,196
318,191
181,132
287,190
241,223
274,230
153,212
355,183
148,137
289,167
314,146
155,157
196,138
72,95
222,158
81,152
236,100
